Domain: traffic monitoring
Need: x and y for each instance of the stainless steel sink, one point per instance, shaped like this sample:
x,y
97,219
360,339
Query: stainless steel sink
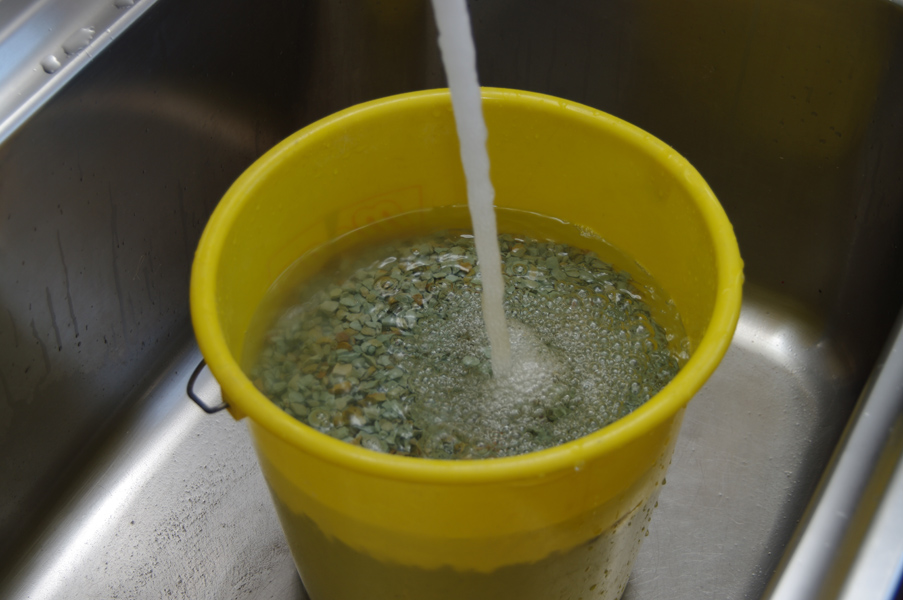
x,y
787,480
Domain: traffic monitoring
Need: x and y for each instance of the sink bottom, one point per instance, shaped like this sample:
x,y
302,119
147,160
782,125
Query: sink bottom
x,y
174,505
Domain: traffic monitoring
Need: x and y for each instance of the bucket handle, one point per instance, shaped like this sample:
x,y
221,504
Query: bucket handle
x,y
197,399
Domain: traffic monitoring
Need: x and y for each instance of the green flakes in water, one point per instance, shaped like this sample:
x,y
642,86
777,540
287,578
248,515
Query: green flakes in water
x,y
391,354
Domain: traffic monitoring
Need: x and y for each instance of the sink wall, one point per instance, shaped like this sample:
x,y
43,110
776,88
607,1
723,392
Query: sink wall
x,y
791,110
103,195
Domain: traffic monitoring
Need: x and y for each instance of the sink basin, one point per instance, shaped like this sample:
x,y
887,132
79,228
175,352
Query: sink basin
x,y
786,481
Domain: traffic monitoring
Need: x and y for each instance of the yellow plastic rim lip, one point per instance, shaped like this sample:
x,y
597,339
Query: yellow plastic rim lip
x,y
244,397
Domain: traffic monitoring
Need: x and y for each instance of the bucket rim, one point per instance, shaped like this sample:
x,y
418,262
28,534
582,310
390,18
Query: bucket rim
x,y
246,400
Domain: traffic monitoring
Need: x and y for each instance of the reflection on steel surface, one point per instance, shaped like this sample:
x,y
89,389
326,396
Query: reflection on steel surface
x,y
110,165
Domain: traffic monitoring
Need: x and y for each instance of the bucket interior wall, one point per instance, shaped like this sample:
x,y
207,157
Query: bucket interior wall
x,y
567,168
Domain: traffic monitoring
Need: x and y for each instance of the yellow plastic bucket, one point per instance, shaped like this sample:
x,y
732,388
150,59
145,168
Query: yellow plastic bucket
x,y
367,525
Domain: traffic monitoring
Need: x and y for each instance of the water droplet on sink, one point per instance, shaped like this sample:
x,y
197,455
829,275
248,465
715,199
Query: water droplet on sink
x,y
123,3
50,64
79,40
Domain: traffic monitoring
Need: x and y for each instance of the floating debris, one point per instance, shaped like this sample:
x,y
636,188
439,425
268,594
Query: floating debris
x,y
391,355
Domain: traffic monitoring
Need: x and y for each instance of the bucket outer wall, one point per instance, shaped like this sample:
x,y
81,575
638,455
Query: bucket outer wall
x,y
400,154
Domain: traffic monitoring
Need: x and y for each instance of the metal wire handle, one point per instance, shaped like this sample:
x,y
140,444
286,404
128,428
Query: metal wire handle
x,y
197,399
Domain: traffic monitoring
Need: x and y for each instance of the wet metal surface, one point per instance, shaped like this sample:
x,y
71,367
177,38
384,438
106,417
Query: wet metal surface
x,y
45,44
175,506
743,471
851,543
113,484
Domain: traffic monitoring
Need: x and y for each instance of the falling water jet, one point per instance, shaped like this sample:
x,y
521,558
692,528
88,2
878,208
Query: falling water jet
x,y
459,59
